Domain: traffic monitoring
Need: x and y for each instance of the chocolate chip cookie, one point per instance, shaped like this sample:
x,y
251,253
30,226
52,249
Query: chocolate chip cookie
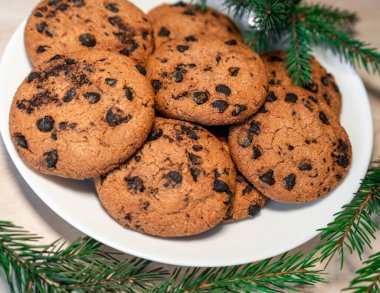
x,y
181,21
80,115
209,81
323,86
63,26
293,150
179,183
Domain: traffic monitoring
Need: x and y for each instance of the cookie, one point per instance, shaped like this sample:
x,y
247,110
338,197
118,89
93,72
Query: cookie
x,y
181,21
178,184
80,115
247,201
63,26
208,81
323,86
293,150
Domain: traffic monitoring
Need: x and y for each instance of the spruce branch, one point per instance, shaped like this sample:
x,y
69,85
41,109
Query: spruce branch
x,y
269,275
353,228
81,266
368,277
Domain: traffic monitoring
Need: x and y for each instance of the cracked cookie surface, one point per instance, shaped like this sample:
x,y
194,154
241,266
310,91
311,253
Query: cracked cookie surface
x,y
179,183
180,21
64,26
80,115
323,86
208,81
293,150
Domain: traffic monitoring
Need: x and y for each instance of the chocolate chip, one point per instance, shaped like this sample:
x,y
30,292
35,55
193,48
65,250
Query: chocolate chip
x,y
164,32
128,217
87,40
313,87
110,81
342,160
275,59
197,147
323,118
69,95
41,27
182,48
53,136
92,97
219,105
56,57
181,95
253,210
254,127
238,109
38,14
111,7
267,177
325,80
179,4
222,187
291,98
195,172
141,69
223,89
218,58
335,87
256,153
200,97
41,49
189,11
156,84
313,99
145,35
290,147
51,158
305,167
342,145
290,181
272,82
271,97
33,75
155,135
190,38
234,71
21,141
262,109
63,7
246,141
135,183
173,178
231,42
248,189
45,124
70,61
115,117
194,159
178,77
128,93
189,132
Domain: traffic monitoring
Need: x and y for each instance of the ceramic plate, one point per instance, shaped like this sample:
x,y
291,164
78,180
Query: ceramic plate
x,y
278,228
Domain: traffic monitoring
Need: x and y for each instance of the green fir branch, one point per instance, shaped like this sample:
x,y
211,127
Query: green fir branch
x,y
81,266
353,228
368,277
269,275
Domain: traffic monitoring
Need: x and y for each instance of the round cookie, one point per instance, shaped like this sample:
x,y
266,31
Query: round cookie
x,y
80,115
247,201
178,184
208,81
64,26
323,86
182,20
293,150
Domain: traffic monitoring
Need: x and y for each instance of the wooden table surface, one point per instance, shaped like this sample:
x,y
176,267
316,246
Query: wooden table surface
x,y
20,204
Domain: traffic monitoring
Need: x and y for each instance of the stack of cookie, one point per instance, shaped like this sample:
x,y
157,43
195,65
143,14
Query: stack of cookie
x,y
182,126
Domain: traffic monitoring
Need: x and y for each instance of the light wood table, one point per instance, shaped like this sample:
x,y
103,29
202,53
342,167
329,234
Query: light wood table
x,y
20,204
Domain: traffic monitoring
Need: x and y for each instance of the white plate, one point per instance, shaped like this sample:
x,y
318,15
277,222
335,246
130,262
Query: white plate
x,y
278,228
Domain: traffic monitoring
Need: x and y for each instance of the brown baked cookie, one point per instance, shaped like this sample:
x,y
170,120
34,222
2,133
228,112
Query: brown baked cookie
x,y
208,81
80,115
322,88
63,26
180,20
178,184
293,150
247,201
